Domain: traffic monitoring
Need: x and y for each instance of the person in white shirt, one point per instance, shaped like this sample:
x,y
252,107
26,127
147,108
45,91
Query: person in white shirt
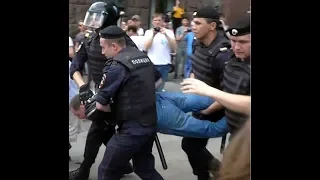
x,y
138,40
159,43
136,21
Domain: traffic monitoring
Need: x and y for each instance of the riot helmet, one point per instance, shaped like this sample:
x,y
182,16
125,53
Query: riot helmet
x,y
101,14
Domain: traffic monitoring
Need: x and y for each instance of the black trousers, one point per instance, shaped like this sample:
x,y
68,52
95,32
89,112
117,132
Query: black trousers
x,y
132,141
98,134
198,155
176,22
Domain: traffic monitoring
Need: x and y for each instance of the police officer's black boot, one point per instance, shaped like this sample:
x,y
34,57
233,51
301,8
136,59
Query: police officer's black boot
x,y
79,174
83,173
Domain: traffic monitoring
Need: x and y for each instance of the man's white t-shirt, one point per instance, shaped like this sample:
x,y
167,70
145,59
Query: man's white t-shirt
x,y
159,52
139,41
140,32
70,42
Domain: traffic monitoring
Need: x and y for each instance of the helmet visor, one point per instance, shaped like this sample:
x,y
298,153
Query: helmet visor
x,y
94,19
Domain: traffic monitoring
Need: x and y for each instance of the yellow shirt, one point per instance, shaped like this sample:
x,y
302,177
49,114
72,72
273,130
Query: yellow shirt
x,y
178,12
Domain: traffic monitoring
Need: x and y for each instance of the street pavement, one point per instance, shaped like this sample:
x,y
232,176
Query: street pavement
x,y
178,165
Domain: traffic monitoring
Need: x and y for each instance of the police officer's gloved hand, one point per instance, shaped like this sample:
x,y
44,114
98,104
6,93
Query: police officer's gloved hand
x,y
85,93
93,114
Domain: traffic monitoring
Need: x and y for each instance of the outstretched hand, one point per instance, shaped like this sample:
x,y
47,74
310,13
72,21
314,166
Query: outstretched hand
x,y
195,86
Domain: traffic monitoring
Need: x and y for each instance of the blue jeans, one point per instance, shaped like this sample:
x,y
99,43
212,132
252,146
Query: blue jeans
x,y
164,71
187,68
172,109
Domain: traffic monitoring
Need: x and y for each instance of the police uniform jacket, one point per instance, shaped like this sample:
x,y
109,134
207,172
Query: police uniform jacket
x,y
128,86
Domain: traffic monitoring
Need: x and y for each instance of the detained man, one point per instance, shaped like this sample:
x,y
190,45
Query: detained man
x,y
173,117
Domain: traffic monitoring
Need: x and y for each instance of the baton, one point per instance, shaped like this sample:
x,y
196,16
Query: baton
x,y
161,155
223,143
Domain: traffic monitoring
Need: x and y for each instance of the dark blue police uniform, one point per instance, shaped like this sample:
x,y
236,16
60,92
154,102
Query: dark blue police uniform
x,y
98,133
129,89
90,51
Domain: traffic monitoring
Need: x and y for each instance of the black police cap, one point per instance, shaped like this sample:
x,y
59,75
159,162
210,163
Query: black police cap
x,y
112,32
240,27
207,12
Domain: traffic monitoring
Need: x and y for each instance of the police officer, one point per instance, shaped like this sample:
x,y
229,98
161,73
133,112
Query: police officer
x,y
127,87
236,78
238,69
100,15
210,52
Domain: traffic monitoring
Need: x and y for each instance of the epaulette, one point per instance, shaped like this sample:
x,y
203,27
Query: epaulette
x,y
111,62
226,47
223,49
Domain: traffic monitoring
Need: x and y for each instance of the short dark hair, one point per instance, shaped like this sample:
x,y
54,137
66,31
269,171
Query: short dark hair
x,y
218,23
120,41
185,17
75,102
132,28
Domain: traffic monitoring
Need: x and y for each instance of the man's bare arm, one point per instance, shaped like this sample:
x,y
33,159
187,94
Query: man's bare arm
x,y
216,106
77,77
172,42
234,102
71,52
77,65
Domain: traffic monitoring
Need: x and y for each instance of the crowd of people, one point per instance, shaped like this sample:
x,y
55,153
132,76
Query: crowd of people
x,y
129,67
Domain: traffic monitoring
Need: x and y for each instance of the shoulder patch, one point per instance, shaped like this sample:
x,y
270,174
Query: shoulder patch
x,y
102,80
223,49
